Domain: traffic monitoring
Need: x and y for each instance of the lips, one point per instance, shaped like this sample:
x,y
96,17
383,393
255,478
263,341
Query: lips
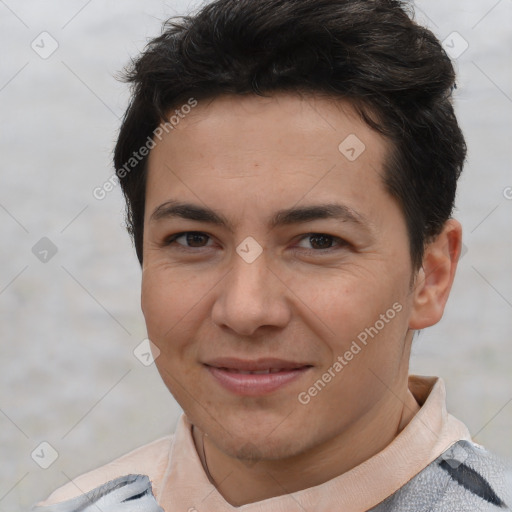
x,y
257,365
258,372
256,377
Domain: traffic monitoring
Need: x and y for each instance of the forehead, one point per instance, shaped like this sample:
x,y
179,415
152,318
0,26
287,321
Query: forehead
x,y
280,121
249,148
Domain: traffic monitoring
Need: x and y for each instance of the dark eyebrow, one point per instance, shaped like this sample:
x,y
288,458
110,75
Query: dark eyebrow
x,y
283,217
188,211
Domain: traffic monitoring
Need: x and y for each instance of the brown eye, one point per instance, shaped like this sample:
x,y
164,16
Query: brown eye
x,y
321,241
196,239
192,239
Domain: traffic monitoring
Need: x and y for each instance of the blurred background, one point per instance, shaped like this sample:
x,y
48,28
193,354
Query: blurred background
x,y
75,389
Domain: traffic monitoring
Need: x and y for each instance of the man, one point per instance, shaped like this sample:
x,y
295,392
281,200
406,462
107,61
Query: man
x,y
290,169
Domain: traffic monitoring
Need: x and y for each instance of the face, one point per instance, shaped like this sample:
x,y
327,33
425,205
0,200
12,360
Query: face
x,y
270,244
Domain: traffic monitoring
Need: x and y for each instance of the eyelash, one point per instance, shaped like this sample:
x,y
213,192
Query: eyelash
x,y
342,243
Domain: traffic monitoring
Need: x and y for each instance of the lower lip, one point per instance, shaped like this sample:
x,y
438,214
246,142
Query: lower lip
x,y
255,384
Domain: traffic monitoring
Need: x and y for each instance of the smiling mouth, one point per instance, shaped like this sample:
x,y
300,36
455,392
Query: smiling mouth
x,y
258,372
253,378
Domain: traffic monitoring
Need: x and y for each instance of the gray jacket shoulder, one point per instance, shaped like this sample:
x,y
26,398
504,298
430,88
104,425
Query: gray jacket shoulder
x,y
466,477
127,493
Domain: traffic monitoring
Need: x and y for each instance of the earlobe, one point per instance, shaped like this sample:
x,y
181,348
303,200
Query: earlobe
x,y
435,278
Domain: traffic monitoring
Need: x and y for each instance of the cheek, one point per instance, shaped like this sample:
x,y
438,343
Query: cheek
x,y
168,297
171,305
155,303
346,301
362,315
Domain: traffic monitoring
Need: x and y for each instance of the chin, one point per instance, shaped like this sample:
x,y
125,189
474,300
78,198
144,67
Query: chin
x,y
253,432
250,451
253,440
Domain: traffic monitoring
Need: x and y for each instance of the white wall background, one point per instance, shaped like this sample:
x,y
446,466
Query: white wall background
x,y
68,327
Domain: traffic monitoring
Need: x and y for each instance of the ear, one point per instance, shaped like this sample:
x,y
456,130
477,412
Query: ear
x,y
435,278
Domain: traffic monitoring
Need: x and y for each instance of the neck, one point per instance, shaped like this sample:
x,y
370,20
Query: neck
x,y
240,484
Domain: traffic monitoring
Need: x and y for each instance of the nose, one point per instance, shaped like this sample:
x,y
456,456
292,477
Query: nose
x,y
250,297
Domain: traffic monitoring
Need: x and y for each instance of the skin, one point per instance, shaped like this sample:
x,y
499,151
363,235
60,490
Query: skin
x,y
246,158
